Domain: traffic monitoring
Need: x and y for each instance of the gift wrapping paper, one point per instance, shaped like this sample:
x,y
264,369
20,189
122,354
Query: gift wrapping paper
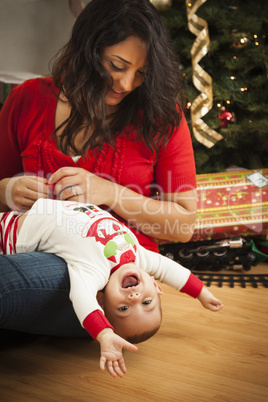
x,y
232,204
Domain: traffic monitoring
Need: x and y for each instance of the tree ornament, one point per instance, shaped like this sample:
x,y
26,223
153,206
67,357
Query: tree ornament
x,y
226,117
240,40
162,4
201,79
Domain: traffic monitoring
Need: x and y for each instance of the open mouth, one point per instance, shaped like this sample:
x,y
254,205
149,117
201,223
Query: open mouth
x,y
129,281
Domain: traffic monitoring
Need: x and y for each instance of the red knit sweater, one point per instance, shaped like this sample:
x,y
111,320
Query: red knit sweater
x,y
27,121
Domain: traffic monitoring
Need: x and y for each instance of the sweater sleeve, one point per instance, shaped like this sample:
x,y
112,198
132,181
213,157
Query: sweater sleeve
x,y
169,272
193,286
95,322
49,227
10,154
175,167
83,294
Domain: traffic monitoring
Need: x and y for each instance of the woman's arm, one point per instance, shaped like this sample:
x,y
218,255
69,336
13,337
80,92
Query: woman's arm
x,y
171,217
3,204
17,191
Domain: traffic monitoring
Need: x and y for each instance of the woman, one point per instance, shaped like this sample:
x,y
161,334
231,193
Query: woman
x,y
106,128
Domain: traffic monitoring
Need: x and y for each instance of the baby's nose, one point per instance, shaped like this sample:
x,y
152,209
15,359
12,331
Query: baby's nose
x,y
134,295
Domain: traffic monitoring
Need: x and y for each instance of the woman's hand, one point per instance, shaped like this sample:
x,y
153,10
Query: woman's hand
x,y
77,184
21,192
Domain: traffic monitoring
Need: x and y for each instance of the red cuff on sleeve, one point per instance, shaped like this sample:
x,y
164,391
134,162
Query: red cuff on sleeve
x,y
95,322
193,286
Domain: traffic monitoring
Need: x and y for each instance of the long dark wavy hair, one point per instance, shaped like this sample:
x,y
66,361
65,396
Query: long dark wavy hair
x,y
77,71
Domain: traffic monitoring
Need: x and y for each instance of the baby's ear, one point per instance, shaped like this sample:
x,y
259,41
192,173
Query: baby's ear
x,y
158,288
100,299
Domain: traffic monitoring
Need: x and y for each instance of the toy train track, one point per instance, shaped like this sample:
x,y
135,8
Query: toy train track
x,y
212,255
233,279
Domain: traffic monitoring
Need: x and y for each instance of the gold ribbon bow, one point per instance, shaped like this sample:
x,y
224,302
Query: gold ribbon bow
x,y
201,79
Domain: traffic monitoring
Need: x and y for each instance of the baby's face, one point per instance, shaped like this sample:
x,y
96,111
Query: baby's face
x,y
131,300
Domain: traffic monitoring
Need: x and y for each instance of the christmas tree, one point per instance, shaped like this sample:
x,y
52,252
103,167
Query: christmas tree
x,y
237,61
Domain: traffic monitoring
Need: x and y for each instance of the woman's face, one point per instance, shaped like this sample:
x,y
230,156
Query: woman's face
x,y
126,63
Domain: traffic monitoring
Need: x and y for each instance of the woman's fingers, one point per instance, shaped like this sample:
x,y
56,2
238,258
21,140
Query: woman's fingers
x,y
63,172
72,182
21,192
72,192
66,184
69,182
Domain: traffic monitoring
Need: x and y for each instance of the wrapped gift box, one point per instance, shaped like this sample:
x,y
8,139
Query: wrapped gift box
x,y
9,80
232,204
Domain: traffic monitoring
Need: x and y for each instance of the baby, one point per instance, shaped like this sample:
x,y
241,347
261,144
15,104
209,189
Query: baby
x,y
113,288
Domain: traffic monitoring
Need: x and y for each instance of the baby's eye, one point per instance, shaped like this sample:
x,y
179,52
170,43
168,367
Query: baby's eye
x,y
124,308
147,302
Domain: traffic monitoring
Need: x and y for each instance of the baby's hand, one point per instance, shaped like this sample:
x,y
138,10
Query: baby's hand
x,y
209,301
111,352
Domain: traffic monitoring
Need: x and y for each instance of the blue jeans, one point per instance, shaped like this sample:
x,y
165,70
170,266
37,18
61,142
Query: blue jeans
x,y
34,295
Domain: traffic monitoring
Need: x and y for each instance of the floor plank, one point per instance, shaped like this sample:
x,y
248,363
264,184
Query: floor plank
x,y
196,356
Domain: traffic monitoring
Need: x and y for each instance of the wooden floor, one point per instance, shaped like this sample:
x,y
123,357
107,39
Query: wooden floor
x,y
196,356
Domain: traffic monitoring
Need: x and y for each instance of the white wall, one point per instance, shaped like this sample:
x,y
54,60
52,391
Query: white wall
x,y
31,32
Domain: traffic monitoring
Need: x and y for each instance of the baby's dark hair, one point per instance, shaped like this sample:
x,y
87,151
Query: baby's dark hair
x,y
138,338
